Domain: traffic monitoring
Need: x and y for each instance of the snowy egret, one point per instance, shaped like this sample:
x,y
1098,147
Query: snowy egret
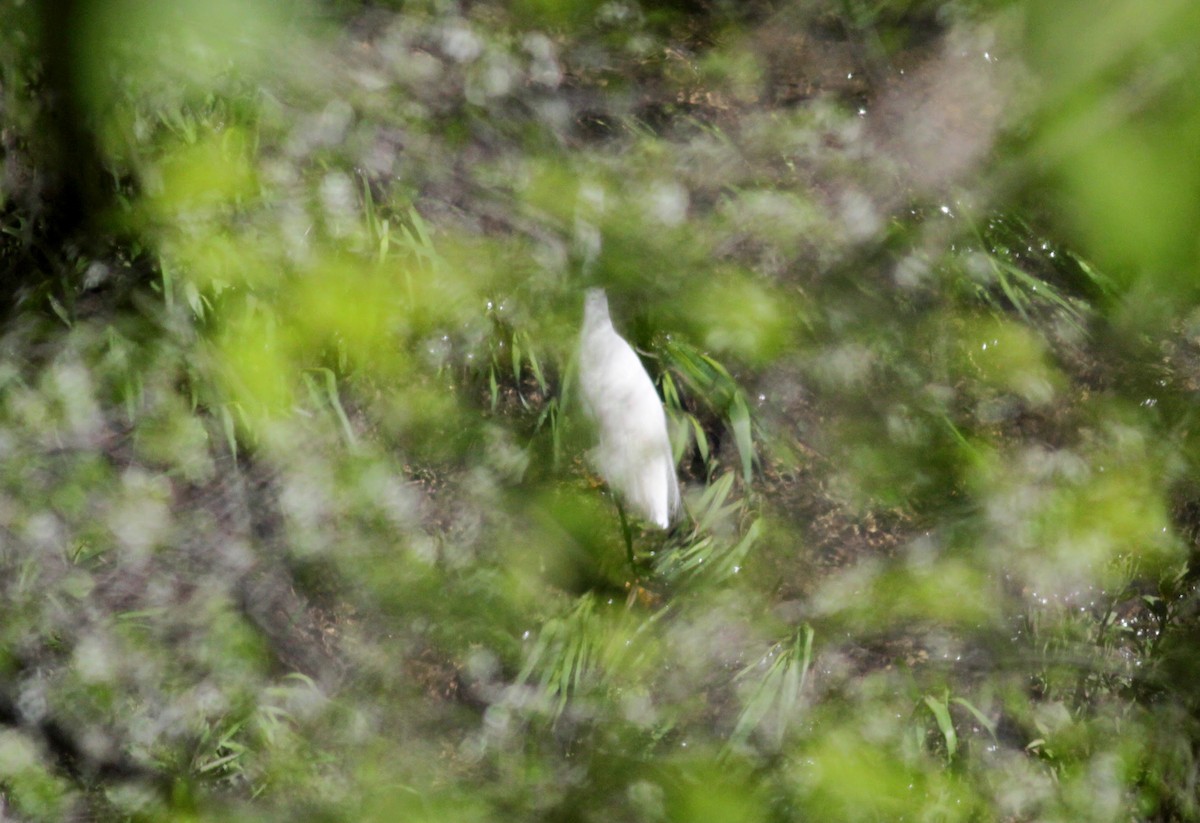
x,y
633,454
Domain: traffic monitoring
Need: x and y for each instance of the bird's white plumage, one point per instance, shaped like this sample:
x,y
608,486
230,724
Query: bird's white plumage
x,y
634,451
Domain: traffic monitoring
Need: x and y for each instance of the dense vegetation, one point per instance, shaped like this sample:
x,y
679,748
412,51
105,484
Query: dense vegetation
x,y
296,518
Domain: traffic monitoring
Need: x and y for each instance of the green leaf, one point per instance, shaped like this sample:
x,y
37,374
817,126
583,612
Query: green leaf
x,y
775,696
941,713
701,438
739,419
977,714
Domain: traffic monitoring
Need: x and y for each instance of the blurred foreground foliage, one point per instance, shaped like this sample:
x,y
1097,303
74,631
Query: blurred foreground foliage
x,y
296,521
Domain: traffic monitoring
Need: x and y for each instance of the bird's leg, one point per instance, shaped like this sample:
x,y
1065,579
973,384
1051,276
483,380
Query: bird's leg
x,y
627,533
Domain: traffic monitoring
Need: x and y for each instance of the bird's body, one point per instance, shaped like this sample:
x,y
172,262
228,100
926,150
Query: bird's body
x,y
634,450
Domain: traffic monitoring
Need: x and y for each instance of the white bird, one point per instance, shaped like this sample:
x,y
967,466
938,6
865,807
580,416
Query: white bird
x,y
634,451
